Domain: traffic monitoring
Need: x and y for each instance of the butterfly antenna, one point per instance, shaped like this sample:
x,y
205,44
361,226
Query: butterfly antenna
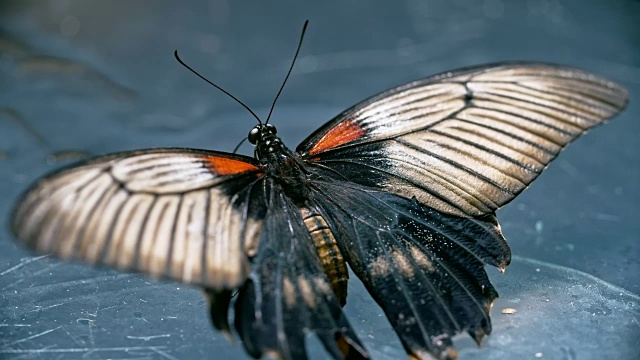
x,y
304,29
238,146
216,86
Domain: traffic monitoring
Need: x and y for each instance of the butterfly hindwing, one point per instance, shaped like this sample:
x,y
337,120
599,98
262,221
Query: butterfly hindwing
x,y
288,295
424,268
157,211
464,142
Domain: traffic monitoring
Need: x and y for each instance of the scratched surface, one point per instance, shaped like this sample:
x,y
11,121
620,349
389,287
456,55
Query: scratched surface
x,y
81,78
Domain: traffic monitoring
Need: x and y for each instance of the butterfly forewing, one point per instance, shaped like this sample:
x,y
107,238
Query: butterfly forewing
x,y
175,213
465,142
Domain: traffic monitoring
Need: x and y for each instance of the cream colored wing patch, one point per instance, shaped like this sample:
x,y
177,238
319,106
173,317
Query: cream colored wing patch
x,y
165,212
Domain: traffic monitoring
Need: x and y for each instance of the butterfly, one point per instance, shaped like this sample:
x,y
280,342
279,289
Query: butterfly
x,y
401,188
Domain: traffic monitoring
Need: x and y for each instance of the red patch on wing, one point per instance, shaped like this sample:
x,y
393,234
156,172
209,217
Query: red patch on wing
x,y
345,132
226,166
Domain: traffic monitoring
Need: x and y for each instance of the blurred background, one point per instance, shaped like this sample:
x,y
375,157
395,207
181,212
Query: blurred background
x,y
87,77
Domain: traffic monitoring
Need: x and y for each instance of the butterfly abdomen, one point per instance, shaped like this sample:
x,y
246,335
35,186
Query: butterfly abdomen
x,y
328,251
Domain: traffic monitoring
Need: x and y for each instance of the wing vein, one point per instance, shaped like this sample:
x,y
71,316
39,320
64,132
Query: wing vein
x,y
205,239
504,99
410,181
555,128
174,228
141,231
484,148
447,269
405,291
506,133
460,166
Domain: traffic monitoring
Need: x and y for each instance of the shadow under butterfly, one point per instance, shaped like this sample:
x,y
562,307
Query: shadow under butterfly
x,y
403,187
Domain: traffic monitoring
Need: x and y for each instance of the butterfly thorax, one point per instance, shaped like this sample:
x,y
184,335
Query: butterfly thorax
x,y
280,163
286,168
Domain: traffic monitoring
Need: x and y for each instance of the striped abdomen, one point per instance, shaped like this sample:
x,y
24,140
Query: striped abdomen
x,y
327,248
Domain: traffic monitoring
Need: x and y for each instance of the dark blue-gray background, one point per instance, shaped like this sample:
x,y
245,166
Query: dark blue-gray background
x,y
92,77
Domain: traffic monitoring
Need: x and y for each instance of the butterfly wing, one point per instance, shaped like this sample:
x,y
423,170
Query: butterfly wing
x,y
416,173
288,295
206,218
183,214
424,268
464,142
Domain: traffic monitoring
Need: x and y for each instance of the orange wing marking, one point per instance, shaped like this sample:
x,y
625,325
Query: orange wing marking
x,y
225,166
345,132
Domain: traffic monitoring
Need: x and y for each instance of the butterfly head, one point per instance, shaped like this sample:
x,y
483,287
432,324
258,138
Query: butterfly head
x,y
264,137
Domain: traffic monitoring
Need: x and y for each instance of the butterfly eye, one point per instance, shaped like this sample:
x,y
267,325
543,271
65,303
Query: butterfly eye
x,y
254,135
272,129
